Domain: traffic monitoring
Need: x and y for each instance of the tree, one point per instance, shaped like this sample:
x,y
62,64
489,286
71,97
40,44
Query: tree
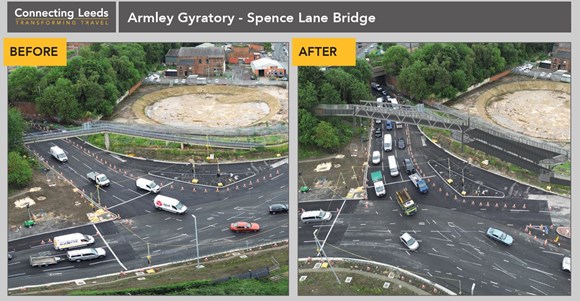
x,y
329,95
268,46
394,59
307,96
59,101
19,170
306,124
412,81
326,136
16,128
23,84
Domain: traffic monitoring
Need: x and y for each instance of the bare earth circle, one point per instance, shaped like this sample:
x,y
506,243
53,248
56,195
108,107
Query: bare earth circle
x,y
206,110
537,113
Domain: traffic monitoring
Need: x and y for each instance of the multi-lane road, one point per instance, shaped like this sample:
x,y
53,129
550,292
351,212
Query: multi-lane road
x,y
454,250
248,189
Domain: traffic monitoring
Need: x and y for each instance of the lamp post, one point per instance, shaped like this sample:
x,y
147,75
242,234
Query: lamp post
x,y
196,242
463,192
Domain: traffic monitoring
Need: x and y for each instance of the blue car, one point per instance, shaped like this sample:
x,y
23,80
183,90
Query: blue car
x,y
389,125
500,236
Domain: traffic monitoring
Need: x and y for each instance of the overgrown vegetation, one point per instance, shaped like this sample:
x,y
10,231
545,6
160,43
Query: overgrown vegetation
x,y
441,70
19,165
157,149
90,83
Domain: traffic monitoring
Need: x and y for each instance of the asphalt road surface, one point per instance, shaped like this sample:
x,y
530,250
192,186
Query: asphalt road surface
x,y
142,230
454,250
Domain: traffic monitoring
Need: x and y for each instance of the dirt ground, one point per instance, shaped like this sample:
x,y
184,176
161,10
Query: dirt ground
x,y
337,176
537,108
207,106
56,206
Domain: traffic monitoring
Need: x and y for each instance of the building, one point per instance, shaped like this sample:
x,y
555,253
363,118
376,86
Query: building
x,y
206,61
244,54
268,67
562,57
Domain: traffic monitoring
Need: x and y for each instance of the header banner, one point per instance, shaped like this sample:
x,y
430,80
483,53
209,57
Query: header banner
x,y
319,17
49,16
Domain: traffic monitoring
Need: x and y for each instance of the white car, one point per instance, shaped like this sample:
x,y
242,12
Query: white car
x,y
376,157
566,264
409,241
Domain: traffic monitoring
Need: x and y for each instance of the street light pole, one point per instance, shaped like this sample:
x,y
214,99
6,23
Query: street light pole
x,y
320,250
463,192
196,242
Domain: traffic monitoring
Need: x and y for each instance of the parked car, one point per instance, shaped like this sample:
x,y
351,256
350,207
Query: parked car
x,y
499,236
389,125
566,264
409,241
401,143
376,157
278,208
244,227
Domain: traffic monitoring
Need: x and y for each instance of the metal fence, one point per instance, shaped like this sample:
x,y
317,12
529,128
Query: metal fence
x,y
542,74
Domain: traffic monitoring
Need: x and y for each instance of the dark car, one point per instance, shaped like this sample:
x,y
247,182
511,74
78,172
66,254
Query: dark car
x,y
389,125
401,143
278,208
409,166
378,132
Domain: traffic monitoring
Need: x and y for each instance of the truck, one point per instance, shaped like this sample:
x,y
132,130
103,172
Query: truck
x,y
377,178
406,202
419,183
98,178
40,261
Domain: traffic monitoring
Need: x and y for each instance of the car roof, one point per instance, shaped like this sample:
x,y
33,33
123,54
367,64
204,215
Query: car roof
x,y
406,236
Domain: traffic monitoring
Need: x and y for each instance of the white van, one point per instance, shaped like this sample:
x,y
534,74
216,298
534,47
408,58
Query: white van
x,y
148,185
316,216
86,254
388,143
71,241
58,154
172,205
393,168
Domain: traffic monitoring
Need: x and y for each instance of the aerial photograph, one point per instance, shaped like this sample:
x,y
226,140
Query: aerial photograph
x,y
436,169
150,169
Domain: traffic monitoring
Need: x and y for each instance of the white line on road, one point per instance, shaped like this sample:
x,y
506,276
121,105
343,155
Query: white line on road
x,y
438,255
542,283
118,184
434,250
178,228
127,201
16,275
545,273
148,226
13,263
57,269
538,290
102,261
110,249
519,210
329,231
555,253
87,166
459,268
474,263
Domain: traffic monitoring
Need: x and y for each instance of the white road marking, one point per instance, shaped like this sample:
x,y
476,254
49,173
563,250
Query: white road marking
x,y
555,253
127,201
109,247
16,275
545,273
118,184
178,228
87,166
434,250
13,263
438,255
542,283
538,290
102,261
329,231
57,269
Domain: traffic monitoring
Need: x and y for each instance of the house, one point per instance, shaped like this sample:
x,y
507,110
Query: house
x,y
562,57
268,67
207,61
244,54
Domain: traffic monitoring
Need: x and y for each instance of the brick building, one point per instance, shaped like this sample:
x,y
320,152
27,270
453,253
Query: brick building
x,y
561,57
206,61
244,54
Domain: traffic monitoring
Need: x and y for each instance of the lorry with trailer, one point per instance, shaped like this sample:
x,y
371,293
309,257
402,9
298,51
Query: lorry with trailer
x,y
406,202
98,178
41,261
419,183
377,178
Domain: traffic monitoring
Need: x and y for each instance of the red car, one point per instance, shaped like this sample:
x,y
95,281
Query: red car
x,y
244,227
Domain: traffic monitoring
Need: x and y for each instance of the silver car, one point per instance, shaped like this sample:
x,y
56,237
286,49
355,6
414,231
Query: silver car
x,y
409,241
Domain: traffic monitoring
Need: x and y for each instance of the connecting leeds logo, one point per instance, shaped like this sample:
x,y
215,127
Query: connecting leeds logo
x,y
49,16
61,17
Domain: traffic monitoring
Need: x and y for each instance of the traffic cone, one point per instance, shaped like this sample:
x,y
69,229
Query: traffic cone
x,y
258,180
250,183
277,172
514,206
264,178
237,187
181,188
524,206
487,204
171,186
193,190
446,194
228,188
205,190
496,205
504,205
472,203
244,185
270,175
217,189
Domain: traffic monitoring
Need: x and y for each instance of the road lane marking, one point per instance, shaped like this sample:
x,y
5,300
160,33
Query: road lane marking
x,y
178,228
443,256
130,200
538,290
118,184
555,253
16,275
545,273
87,166
109,247
542,283
329,231
13,263
102,261
58,269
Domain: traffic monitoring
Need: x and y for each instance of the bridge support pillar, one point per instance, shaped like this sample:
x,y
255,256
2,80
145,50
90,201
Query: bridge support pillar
x,y
181,145
107,141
